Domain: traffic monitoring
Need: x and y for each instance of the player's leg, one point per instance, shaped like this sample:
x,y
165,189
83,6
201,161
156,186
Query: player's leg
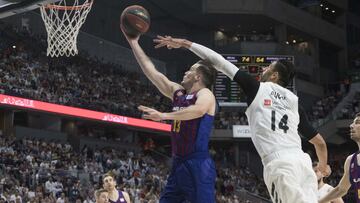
x,y
201,187
171,192
309,181
283,178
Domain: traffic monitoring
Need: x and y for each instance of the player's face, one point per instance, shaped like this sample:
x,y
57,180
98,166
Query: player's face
x,y
103,198
267,72
190,76
109,183
355,129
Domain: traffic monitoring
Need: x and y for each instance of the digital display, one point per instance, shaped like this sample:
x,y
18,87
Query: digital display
x,y
82,113
226,90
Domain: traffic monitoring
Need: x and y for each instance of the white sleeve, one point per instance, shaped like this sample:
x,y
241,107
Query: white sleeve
x,y
215,59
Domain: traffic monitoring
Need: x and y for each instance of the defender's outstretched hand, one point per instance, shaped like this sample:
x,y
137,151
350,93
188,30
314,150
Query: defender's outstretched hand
x,y
171,43
150,113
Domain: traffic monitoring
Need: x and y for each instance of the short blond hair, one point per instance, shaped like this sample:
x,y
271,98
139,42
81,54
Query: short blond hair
x,y
98,192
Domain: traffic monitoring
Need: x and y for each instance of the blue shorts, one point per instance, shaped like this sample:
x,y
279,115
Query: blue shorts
x,y
192,179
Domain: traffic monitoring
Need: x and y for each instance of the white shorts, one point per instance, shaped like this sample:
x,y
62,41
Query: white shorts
x,y
289,177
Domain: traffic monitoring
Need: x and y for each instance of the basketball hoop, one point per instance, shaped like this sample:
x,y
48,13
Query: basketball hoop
x,y
63,24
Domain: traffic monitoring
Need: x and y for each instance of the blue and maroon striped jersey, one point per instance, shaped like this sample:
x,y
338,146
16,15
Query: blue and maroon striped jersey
x,y
192,135
355,176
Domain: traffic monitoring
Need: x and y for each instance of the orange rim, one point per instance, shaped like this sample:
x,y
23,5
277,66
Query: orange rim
x,y
66,8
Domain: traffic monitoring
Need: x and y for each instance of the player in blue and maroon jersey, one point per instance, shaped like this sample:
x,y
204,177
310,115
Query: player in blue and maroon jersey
x,y
351,175
192,176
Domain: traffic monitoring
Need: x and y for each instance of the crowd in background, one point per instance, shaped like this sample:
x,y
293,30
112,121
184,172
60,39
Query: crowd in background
x,y
323,106
39,171
225,119
34,170
351,108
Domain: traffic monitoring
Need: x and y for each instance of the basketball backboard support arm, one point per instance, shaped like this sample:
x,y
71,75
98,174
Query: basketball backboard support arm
x,y
12,7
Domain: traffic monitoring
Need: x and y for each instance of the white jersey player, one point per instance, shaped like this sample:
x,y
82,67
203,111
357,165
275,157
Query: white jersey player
x,y
274,118
324,188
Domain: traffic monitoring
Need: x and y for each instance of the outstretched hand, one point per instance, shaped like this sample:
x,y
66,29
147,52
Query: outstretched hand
x,y
171,43
129,39
150,113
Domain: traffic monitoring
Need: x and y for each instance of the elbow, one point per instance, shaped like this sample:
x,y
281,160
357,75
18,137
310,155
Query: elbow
x,y
343,193
343,190
318,141
201,111
321,147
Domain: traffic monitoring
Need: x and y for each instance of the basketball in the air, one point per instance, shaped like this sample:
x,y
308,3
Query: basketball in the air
x,y
135,20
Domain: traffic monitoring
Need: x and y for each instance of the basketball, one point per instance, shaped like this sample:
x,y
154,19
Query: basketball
x,y
135,20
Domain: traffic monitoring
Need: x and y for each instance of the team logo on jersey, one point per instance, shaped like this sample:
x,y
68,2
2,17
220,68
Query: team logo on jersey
x,y
190,96
267,102
122,200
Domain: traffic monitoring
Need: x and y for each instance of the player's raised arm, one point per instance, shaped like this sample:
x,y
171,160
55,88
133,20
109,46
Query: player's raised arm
x,y
203,52
165,86
342,188
246,82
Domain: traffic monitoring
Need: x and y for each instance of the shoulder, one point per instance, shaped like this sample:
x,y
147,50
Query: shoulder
x,y
205,92
348,159
269,86
347,162
277,87
126,196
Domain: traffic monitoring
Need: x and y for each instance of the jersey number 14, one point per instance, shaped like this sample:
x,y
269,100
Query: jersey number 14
x,y
282,124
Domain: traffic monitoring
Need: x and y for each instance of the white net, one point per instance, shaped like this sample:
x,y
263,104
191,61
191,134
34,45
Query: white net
x,y
63,24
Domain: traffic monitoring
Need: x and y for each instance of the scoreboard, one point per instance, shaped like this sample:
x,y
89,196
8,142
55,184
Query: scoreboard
x,y
228,91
